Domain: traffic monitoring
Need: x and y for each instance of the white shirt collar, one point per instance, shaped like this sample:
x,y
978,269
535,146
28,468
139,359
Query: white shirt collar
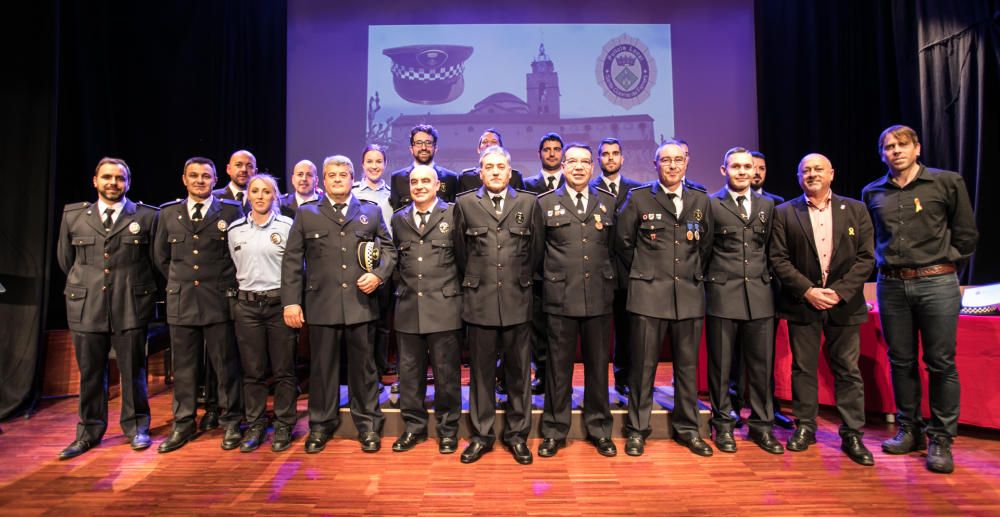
x,y
546,175
299,200
347,203
679,192
206,204
234,189
117,207
734,195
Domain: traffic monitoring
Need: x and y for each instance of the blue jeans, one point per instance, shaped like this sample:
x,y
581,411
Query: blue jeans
x,y
928,307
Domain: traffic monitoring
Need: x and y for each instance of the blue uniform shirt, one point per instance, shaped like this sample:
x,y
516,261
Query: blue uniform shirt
x,y
257,251
379,196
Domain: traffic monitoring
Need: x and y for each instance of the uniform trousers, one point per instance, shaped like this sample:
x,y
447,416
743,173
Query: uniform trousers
x,y
843,348
514,345
265,341
753,339
592,334
92,349
363,387
623,330
647,341
187,344
446,363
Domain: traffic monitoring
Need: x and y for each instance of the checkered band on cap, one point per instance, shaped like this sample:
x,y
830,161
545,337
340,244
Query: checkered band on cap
x,y
423,74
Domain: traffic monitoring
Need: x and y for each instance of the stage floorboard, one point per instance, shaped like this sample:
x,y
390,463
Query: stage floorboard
x,y
202,479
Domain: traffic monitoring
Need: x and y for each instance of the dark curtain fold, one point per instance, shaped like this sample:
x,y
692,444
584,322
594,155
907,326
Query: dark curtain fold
x,y
832,75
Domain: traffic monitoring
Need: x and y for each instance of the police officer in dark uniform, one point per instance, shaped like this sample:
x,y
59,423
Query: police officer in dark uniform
x,y
740,303
241,167
612,180
191,251
469,179
104,249
428,313
324,284
304,189
257,244
423,144
665,236
579,286
498,254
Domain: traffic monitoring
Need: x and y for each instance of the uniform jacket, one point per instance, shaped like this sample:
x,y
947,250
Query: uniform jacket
x,y
110,284
498,255
738,282
624,186
538,185
399,186
428,290
665,253
288,203
320,269
469,180
579,271
795,262
195,259
227,193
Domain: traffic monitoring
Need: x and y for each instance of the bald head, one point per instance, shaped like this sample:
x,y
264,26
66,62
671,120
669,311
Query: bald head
x,y
424,186
815,175
304,178
241,167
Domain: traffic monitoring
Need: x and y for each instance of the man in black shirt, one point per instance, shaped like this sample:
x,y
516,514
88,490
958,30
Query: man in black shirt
x,y
924,225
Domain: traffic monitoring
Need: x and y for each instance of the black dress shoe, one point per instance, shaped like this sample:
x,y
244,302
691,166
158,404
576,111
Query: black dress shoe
x,y
232,438
316,441
800,440
447,445
538,386
766,440
907,440
75,449
253,438
549,447
370,441
209,421
175,441
141,441
781,420
521,453
474,451
408,441
635,445
282,438
605,447
695,445
725,441
939,455
855,449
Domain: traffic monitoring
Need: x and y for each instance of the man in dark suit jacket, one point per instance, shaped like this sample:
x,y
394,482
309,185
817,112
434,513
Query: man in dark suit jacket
x,y
612,180
822,249
191,251
241,167
304,189
740,303
498,254
423,144
428,313
324,284
665,237
469,179
104,249
579,285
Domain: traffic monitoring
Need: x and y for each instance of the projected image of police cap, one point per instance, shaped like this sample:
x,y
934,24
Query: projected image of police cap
x,y
428,74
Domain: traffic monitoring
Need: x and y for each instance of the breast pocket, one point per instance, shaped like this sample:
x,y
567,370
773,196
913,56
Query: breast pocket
x,y
84,249
654,234
556,230
522,239
728,238
445,250
137,246
315,243
475,239
178,244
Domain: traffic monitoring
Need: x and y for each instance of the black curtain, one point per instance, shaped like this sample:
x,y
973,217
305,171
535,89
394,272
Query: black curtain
x,y
832,75
152,83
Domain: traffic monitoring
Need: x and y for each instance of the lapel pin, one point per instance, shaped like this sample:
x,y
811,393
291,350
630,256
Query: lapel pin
x,y
916,204
850,231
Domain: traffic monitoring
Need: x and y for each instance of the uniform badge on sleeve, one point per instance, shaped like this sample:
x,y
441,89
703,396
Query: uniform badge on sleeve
x,y
134,227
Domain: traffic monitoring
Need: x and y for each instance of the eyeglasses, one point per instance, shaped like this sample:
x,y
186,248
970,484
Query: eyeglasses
x,y
573,162
676,161
423,143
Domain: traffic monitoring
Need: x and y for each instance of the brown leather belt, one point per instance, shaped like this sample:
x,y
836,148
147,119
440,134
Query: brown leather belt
x,y
909,273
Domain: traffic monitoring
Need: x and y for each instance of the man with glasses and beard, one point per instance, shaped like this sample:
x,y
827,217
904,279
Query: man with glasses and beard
x,y
423,144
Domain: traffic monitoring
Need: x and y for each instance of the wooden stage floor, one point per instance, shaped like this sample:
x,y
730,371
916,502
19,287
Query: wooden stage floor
x,y
201,479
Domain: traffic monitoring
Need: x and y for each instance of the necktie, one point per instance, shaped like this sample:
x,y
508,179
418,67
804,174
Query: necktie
x,y
739,202
496,203
552,182
239,197
614,188
671,198
107,218
423,219
197,212
579,202
339,207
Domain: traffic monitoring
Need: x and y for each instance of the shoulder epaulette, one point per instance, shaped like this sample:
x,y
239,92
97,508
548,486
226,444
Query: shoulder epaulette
x,y
369,201
76,206
467,192
602,189
169,203
543,194
237,223
528,192
284,219
699,188
470,169
640,187
232,202
140,203
400,208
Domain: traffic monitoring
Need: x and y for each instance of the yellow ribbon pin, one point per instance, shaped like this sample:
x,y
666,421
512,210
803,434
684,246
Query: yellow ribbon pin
x,y
850,231
916,203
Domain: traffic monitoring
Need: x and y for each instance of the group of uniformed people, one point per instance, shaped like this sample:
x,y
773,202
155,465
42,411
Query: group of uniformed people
x,y
521,275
